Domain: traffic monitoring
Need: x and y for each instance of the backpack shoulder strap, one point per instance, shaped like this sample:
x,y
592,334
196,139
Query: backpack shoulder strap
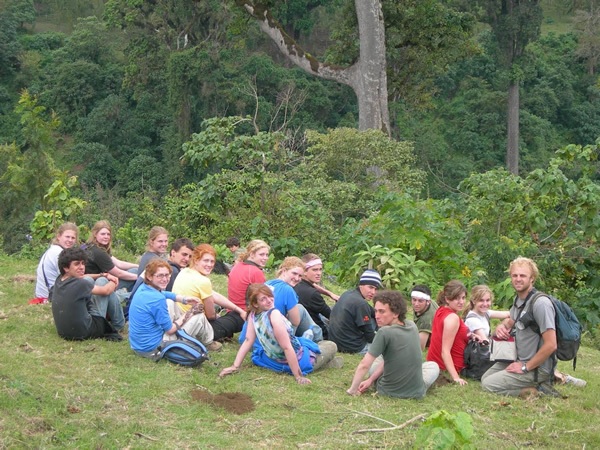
x,y
44,271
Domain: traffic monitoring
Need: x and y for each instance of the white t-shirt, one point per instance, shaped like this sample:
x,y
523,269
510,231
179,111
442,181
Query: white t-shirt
x,y
48,266
476,322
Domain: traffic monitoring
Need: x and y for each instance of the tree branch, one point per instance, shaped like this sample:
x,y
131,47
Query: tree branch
x,y
290,48
395,427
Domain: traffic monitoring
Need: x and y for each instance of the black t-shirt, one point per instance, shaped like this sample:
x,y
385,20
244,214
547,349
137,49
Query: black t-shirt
x,y
351,323
71,306
99,261
176,270
314,303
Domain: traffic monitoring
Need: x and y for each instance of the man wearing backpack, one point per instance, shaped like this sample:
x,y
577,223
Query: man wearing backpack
x,y
533,370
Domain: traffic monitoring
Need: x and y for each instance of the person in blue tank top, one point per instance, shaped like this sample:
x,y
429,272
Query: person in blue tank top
x,y
280,350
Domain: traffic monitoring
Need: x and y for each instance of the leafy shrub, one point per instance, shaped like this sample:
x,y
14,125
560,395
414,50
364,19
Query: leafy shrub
x,y
426,230
444,430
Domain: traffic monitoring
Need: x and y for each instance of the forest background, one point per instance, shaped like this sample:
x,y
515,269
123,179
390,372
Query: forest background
x,y
185,114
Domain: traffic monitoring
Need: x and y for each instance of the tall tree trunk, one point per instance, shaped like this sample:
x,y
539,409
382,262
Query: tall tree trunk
x,y
512,142
370,83
367,76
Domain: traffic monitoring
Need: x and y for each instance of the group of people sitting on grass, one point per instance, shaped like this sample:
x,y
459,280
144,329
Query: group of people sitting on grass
x,y
285,322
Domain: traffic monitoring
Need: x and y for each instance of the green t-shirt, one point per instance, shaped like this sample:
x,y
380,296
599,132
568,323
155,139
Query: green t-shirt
x,y
425,320
403,367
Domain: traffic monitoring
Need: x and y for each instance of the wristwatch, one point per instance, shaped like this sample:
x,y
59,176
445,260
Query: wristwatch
x,y
524,368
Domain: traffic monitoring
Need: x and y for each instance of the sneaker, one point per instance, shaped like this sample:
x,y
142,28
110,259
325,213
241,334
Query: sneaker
x,y
214,346
335,363
575,381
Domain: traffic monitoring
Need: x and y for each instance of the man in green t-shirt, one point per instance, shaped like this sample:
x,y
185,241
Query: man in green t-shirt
x,y
401,373
423,311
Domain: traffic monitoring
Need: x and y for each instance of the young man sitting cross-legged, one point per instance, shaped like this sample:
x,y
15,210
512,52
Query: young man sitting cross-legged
x,y
75,314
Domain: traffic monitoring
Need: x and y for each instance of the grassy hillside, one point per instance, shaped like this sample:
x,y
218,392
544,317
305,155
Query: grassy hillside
x,y
97,394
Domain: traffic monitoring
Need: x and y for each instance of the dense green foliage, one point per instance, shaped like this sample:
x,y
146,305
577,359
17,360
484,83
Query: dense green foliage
x,y
182,114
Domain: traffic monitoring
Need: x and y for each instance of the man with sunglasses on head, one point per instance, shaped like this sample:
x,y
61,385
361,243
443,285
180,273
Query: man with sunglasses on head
x,y
423,311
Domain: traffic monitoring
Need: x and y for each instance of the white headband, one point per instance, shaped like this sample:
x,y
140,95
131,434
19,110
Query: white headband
x,y
313,262
421,295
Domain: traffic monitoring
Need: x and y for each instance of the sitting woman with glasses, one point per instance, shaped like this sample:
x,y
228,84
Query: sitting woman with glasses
x,y
153,317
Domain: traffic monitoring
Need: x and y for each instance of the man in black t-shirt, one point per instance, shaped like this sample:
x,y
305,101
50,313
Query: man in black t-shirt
x,y
352,320
75,314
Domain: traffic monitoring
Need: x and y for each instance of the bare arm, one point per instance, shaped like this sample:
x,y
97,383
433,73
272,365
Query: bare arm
x,y
209,307
499,314
451,325
374,377
244,349
224,302
479,333
545,351
423,338
107,289
283,339
326,292
124,265
122,274
361,370
177,324
293,316
503,330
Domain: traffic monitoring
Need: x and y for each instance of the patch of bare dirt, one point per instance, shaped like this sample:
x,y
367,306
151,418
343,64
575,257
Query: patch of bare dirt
x,y
442,381
24,279
233,402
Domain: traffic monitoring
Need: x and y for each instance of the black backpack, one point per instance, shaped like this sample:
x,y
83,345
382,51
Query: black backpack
x,y
477,357
185,351
567,326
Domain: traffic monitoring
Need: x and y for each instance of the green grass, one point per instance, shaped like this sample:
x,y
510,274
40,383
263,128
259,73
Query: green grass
x,y
97,394
556,20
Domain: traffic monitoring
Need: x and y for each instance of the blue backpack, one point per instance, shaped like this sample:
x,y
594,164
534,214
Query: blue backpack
x,y
185,351
567,326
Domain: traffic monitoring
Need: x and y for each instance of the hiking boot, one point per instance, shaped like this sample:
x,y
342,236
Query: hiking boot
x,y
214,346
548,389
575,381
114,337
335,363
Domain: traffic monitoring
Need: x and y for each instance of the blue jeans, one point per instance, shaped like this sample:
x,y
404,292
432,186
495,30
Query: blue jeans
x,y
128,284
307,323
109,306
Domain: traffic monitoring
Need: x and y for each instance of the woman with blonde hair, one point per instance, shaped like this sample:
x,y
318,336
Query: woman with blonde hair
x,y
156,247
289,275
47,271
248,269
280,350
477,314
